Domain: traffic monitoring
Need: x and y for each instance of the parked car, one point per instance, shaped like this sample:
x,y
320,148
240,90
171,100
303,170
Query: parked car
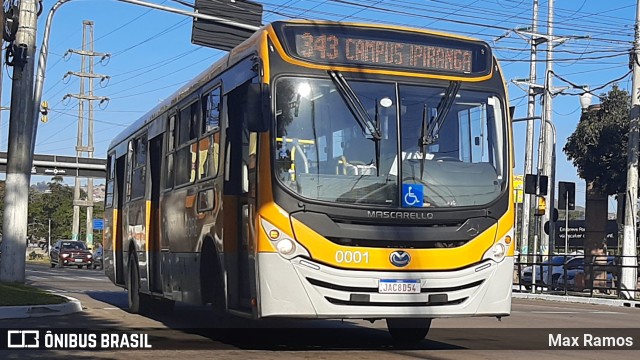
x,y
97,258
70,253
557,265
570,280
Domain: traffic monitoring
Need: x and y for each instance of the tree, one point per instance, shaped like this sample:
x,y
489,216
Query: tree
x,y
598,149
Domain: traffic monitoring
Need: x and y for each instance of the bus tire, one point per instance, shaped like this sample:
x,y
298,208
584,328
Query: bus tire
x,y
211,281
408,329
138,303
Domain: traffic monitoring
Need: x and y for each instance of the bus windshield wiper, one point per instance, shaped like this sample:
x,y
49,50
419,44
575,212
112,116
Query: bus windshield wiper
x,y
428,137
355,106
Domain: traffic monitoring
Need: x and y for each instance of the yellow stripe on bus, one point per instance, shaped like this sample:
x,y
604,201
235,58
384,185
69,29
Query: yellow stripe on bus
x,y
327,252
147,222
114,230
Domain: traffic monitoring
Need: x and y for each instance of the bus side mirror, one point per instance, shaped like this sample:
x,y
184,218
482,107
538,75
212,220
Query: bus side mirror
x,y
257,107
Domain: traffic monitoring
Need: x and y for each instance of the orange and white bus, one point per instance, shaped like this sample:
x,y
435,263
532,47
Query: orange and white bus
x,y
322,170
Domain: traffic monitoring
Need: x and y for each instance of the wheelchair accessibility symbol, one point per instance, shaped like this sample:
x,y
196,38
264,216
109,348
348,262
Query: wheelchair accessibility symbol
x,y
412,195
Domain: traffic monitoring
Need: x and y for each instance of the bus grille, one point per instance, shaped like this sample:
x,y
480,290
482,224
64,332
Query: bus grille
x,y
354,289
418,303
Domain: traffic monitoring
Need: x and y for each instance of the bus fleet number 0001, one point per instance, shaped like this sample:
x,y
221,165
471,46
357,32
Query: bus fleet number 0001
x,y
352,257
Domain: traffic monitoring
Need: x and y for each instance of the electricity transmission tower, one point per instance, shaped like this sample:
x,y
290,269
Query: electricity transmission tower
x,y
87,55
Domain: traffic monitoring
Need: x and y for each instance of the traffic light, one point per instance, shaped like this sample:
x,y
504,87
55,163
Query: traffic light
x,y
541,208
545,227
536,184
567,195
44,110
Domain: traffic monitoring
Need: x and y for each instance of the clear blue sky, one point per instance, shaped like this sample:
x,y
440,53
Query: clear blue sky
x,y
152,55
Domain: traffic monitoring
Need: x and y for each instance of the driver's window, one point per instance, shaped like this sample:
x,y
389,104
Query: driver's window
x,y
472,139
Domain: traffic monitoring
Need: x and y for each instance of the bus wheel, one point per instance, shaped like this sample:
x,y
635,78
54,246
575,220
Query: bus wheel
x,y
408,329
138,303
212,283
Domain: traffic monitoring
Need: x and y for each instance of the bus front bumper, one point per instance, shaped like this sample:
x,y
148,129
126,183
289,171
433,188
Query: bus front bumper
x,y
305,289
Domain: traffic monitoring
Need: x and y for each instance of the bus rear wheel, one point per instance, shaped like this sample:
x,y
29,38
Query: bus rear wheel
x,y
211,280
408,329
138,303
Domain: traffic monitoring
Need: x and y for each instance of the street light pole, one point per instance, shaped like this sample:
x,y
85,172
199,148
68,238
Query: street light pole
x,y
526,247
548,149
49,239
545,122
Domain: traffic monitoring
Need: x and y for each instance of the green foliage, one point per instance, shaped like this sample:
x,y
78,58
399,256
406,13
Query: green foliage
x,y
18,294
598,147
55,203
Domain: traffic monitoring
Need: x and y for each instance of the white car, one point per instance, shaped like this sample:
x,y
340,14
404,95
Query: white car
x,y
557,264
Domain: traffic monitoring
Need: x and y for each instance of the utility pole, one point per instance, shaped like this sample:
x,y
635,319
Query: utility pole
x,y
629,253
20,156
86,52
527,247
546,145
546,163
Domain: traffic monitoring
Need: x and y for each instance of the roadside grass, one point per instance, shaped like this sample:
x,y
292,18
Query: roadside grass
x,y
37,256
18,294
45,260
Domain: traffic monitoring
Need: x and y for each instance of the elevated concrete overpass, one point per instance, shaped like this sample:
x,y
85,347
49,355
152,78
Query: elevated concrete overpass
x,y
58,165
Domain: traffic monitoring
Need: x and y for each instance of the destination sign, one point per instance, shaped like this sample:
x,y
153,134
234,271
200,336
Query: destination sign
x,y
380,48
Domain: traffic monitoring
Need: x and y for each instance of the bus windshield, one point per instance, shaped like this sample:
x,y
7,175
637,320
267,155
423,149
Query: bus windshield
x,y
451,143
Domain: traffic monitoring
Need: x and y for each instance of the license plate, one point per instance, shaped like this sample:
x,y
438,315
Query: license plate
x,y
78,260
399,287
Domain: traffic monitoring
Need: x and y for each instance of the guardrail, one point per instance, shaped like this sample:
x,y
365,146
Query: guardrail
x,y
570,274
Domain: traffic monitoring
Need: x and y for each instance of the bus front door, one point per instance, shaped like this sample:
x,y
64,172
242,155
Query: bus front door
x,y
239,204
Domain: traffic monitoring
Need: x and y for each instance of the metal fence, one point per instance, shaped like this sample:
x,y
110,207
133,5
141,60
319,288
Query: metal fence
x,y
570,274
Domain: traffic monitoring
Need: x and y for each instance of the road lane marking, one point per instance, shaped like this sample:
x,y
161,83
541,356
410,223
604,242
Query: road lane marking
x,y
42,272
91,278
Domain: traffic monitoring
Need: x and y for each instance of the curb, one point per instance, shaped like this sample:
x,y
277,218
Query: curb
x,y
30,311
578,299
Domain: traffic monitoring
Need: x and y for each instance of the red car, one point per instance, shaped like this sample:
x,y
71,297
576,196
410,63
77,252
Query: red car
x,y
71,253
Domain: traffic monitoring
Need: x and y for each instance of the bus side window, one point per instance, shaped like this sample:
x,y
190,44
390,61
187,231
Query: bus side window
x,y
129,168
111,164
139,168
186,158
209,143
171,142
238,139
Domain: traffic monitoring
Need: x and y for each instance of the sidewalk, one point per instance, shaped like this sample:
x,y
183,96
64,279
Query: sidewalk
x,y
578,299
21,312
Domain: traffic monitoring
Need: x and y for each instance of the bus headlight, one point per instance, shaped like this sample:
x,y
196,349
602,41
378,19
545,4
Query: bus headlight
x,y
499,250
286,247
284,244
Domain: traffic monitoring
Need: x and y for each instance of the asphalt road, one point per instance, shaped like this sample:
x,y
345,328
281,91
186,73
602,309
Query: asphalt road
x,y
192,331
